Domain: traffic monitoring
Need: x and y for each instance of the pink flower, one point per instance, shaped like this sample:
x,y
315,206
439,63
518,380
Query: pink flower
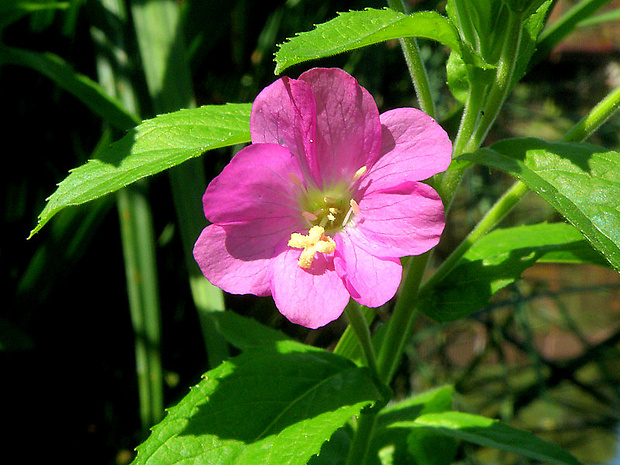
x,y
326,199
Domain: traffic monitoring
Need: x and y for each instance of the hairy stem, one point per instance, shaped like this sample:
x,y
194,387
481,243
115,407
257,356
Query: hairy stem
x,y
416,67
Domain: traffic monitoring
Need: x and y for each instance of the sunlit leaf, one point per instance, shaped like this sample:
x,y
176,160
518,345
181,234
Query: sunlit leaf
x,y
356,29
153,146
581,181
275,406
406,444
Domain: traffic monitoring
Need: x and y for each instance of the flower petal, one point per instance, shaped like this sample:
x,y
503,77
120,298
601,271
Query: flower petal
x,y
284,113
311,298
370,280
234,262
407,219
259,182
348,130
414,147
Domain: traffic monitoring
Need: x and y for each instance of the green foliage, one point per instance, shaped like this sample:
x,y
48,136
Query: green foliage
x,y
492,433
394,444
13,10
245,333
87,91
154,146
357,29
581,181
280,401
277,404
497,260
483,26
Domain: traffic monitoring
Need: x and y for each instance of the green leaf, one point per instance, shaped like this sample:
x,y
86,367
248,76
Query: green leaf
x,y
433,401
413,445
272,406
581,181
153,146
356,29
491,433
497,260
245,333
427,447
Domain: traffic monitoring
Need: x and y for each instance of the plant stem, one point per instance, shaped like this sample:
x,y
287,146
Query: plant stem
x,y
503,82
578,133
595,118
477,121
362,439
348,341
402,319
357,321
497,212
141,273
136,224
416,67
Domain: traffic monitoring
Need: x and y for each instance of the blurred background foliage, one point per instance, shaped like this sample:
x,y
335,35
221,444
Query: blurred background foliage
x,y
544,356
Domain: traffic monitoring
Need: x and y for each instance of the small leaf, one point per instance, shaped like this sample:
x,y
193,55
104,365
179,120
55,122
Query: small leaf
x,y
497,260
153,146
492,433
356,29
271,406
581,181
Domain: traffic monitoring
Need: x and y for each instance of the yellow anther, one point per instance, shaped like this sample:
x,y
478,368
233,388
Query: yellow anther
x,y
355,208
315,242
359,173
